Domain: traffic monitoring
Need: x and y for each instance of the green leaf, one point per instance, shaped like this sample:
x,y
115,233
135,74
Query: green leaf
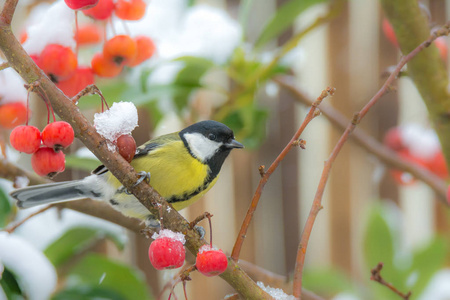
x,y
74,241
97,271
5,208
244,12
426,262
283,18
378,241
190,77
327,282
249,125
10,286
81,163
87,292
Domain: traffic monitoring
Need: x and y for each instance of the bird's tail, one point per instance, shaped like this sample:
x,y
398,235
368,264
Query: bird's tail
x,y
52,193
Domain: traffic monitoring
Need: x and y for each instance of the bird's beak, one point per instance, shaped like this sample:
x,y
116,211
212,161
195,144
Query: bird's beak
x,y
234,144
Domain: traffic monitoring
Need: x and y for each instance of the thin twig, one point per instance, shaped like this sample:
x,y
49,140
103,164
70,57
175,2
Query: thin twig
x,y
370,144
311,114
4,66
317,203
90,90
376,276
11,229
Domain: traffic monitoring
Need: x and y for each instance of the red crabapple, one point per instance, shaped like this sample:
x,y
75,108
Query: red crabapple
x,y
166,252
211,261
48,162
127,146
25,139
58,135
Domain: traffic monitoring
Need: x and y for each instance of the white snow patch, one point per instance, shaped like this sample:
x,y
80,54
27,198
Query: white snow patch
x,y
48,226
35,274
277,294
200,30
439,287
421,142
56,26
178,236
12,89
121,118
21,182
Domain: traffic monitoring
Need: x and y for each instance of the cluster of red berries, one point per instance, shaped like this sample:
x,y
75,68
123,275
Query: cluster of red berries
x,y
432,159
60,62
47,159
167,252
121,50
389,33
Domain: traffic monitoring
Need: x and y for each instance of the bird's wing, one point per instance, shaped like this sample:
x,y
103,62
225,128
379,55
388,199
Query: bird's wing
x,y
144,149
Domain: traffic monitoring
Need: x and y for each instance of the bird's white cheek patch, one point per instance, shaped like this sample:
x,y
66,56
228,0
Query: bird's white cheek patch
x,y
202,147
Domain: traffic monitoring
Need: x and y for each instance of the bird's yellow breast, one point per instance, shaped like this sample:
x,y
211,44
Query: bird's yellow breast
x,y
175,174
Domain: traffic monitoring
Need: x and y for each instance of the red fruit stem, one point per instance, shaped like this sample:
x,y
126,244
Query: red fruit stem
x,y
184,290
125,26
210,230
28,104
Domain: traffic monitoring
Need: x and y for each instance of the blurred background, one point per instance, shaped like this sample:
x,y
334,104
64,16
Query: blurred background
x,y
211,63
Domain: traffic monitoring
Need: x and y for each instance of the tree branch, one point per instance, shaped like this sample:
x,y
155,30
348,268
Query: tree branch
x,y
370,144
317,202
122,170
427,70
266,175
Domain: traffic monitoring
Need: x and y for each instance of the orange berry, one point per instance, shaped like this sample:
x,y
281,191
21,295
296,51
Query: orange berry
x,y
88,34
130,10
120,49
145,49
58,62
102,11
13,114
105,67
82,78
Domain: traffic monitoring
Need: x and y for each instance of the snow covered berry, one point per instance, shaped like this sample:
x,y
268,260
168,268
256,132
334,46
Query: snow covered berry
x,y
211,261
126,146
25,139
48,162
167,250
58,135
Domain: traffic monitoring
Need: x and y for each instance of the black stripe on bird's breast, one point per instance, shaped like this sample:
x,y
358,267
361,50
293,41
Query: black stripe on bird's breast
x,y
188,195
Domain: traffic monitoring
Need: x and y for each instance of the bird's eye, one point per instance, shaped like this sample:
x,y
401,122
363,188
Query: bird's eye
x,y
212,136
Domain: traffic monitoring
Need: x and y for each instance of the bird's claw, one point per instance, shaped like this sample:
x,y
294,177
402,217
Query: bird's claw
x,y
142,176
200,230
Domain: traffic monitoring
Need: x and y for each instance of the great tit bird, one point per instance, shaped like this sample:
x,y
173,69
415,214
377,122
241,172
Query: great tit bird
x,y
183,166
